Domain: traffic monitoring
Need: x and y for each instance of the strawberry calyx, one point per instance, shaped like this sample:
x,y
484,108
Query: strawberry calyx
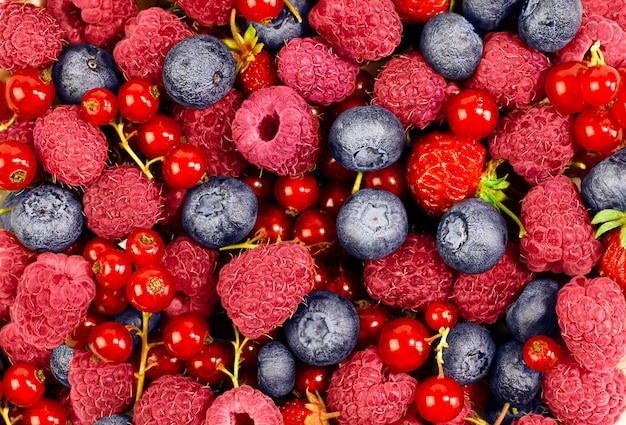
x,y
243,47
610,219
319,415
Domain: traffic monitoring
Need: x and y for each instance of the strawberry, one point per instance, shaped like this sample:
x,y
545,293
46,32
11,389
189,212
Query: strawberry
x,y
311,411
294,412
260,73
613,261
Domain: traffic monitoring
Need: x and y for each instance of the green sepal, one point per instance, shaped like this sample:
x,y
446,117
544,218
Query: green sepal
x,y
622,237
610,225
608,215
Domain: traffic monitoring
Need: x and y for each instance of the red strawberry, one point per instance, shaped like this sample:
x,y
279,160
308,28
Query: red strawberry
x,y
294,412
260,73
613,261
311,411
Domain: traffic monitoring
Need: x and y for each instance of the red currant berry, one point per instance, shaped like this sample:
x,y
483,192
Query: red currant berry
x,y
320,278
541,353
23,384
260,11
345,282
29,92
145,247
364,84
113,268
349,102
96,246
599,84
313,378
441,314
333,195
332,169
261,182
297,193
205,367
160,362
472,113
597,130
151,289
98,106
439,399
563,88
18,165
110,301
79,336
111,342
419,11
272,224
184,165
185,334
618,109
372,317
156,136
402,344
138,100
391,178
47,412
317,231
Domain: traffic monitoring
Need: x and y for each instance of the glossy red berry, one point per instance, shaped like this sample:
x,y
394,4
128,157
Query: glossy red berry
x,y
402,344
420,11
541,353
260,11
111,342
441,314
333,195
29,93
46,412
272,224
316,229
596,129
261,182
345,282
439,399
391,178
618,108
113,268
145,247
18,165
372,318
158,135
96,246
332,169
110,301
472,113
600,84
138,100
160,362
185,335
563,88
297,193
99,106
23,384
78,337
313,378
151,289
205,367
184,165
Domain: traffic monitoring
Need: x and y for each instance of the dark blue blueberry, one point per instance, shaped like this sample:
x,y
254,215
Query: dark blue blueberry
x,y
604,187
451,45
284,27
219,212
116,419
133,317
371,224
472,236
511,380
470,353
7,205
47,218
488,15
366,138
493,410
534,311
276,369
324,329
82,67
548,25
60,363
198,71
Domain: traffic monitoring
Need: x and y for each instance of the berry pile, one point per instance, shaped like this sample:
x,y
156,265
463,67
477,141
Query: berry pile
x,y
320,212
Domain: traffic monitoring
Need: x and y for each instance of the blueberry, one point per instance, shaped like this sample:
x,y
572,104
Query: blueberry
x,y
7,206
60,363
371,224
548,25
470,353
284,27
82,67
133,317
604,187
493,410
324,329
115,419
366,138
451,45
472,236
47,218
276,369
511,380
534,311
488,15
198,71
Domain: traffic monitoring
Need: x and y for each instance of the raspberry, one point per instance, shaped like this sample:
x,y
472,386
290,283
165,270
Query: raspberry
x,y
173,399
19,130
484,297
13,261
243,405
262,287
211,129
120,200
31,36
18,349
208,12
68,16
559,236
611,9
105,19
538,142
511,71
366,392
534,419
578,396
315,71
148,38
412,277
62,130
591,315
411,89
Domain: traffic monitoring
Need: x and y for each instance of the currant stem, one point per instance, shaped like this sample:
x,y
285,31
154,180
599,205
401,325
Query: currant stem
x,y
238,344
502,414
597,57
357,182
9,123
6,210
119,129
5,413
145,347
294,11
443,343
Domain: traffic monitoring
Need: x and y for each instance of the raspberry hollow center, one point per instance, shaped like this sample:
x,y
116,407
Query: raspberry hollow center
x,y
242,419
268,129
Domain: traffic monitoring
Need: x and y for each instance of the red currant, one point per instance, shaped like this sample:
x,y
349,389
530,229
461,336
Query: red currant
x,y
98,106
151,289
160,362
29,92
297,193
23,384
46,412
260,11
441,314
110,301
138,100
111,342
372,317
364,84
313,378
332,169
78,337
419,11
563,88
472,113
18,165
599,84
541,353
345,282
156,136
96,246
597,130
261,182
618,108
439,399
320,278
184,165
113,268
204,366
317,231
272,223
333,195
185,334
145,247
390,178
402,344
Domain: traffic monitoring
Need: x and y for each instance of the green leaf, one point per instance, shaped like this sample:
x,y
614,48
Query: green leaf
x,y
609,225
622,237
608,215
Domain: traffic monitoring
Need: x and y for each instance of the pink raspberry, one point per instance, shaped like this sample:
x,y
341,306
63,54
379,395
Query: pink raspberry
x,y
211,129
19,130
275,129
560,237
243,404
262,287
53,295
62,130
412,277
578,396
173,399
411,89
31,36
173,201
120,200
194,269
13,261
69,19
484,297
610,34
363,30
538,142
511,71
591,315
148,38
315,71
534,419
611,9
366,392
208,12
18,349
99,389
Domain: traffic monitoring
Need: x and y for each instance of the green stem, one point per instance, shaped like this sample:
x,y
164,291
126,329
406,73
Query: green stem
x,y
6,210
357,182
239,345
145,347
119,129
9,123
5,414
495,202
502,415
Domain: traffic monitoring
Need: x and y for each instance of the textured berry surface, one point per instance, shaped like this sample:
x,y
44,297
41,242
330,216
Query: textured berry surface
x,y
214,12
243,402
549,25
471,352
13,261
